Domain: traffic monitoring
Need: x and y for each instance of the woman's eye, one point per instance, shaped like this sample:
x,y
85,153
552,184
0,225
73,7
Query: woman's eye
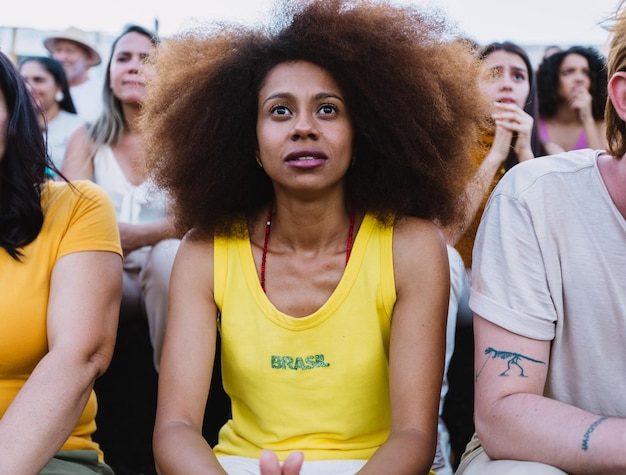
x,y
492,75
328,109
279,110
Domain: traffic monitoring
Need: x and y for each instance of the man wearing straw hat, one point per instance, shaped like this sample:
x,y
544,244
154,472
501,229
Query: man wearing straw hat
x,y
74,49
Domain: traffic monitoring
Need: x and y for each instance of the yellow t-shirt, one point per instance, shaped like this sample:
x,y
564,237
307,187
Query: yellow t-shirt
x,y
75,220
318,384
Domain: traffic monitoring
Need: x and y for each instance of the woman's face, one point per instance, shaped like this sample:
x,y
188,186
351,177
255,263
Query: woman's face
x,y
573,74
505,78
41,84
4,124
127,84
303,129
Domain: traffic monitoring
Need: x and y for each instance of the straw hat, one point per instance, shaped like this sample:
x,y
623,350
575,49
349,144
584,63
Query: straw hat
x,y
77,36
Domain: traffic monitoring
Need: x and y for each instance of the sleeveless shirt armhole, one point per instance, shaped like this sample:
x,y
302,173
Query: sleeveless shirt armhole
x,y
388,282
220,269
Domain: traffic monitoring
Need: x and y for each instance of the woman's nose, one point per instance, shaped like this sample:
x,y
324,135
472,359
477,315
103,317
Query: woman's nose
x,y
304,126
506,83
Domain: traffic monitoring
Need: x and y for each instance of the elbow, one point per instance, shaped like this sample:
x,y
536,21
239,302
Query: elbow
x,y
157,452
93,364
484,434
488,427
100,360
97,357
94,361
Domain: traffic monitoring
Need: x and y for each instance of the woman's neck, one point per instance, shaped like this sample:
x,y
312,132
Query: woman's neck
x,y
53,111
131,114
566,115
613,172
311,225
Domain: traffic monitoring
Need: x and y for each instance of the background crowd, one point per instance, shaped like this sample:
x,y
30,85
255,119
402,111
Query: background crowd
x,y
93,130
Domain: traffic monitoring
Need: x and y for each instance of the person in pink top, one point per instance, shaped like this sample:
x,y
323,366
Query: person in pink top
x,y
571,85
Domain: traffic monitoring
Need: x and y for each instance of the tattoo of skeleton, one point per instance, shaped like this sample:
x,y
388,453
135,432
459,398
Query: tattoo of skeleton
x,y
510,358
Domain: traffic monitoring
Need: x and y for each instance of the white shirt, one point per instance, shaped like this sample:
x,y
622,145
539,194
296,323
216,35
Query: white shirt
x,y
549,263
134,204
87,98
59,130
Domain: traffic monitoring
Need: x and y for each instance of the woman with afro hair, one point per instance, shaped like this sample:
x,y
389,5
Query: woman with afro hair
x,y
572,91
308,160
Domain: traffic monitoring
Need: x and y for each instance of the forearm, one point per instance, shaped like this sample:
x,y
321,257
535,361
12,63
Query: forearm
x,y
135,236
158,231
533,427
406,452
475,192
44,413
524,150
180,449
595,136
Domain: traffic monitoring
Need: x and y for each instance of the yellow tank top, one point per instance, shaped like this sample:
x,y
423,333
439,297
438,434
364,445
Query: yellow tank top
x,y
318,384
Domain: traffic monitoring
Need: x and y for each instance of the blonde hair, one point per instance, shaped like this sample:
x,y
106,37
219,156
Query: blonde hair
x,y
616,61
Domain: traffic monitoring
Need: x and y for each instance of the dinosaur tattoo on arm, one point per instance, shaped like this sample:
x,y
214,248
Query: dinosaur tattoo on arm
x,y
511,359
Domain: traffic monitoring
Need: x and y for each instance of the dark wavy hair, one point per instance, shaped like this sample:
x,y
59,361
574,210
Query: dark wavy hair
x,y
411,90
532,103
548,81
23,165
55,69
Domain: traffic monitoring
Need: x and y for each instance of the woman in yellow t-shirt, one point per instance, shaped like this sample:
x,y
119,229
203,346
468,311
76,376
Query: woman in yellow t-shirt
x,y
61,277
309,158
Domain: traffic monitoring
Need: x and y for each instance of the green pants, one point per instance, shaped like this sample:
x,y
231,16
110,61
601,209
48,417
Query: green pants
x,y
76,462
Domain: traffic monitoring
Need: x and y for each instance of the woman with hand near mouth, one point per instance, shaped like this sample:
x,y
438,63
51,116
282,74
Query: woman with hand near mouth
x,y
308,159
572,89
510,137
109,153
507,81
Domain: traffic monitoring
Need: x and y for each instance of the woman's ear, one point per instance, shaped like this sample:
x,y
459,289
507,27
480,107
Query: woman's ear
x,y
617,93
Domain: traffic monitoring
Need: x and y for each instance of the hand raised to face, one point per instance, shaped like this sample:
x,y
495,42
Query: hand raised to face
x,y
580,100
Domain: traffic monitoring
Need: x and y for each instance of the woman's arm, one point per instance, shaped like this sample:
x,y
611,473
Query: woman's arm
x,y
509,119
582,101
417,349
78,161
596,132
135,236
515,421
85,293
514,119
186,365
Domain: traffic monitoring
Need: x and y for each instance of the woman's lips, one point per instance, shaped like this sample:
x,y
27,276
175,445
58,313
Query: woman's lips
x,y
305,159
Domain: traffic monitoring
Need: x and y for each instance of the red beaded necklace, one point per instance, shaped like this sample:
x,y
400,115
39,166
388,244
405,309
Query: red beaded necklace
x,y
268,227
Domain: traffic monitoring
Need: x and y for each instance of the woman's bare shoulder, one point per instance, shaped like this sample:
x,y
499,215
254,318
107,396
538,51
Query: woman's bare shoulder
x,y
410,229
